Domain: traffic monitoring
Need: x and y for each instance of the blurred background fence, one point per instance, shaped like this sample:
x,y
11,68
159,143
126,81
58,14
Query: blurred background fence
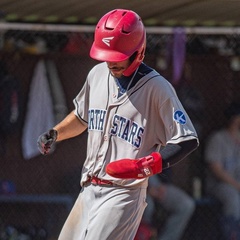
x,y
37,192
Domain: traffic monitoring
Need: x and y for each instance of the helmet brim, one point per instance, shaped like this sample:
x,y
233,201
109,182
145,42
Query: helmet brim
x,y
107,55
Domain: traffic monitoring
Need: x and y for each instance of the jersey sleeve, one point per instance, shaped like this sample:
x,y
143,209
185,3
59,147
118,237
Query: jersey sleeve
x,y
81,103
177,124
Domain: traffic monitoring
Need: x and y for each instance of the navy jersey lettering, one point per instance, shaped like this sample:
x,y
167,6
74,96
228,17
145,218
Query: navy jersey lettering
x,y
122,122
127,130
139,137
115,122
132,133
96,118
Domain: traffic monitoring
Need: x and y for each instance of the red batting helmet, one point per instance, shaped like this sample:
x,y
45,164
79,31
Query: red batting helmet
x,y
118,35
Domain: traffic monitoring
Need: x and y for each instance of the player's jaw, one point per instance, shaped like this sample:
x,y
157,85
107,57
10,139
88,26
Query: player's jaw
x,y
117,68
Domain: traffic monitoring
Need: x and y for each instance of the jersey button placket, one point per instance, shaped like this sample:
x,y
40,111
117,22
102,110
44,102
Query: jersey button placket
x,y
100,155
105,138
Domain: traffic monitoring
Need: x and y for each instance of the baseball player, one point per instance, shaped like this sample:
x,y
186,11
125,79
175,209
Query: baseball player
x,y
129,111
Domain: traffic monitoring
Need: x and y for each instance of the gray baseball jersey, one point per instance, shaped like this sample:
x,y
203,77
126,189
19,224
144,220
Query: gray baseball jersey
x,y
147,116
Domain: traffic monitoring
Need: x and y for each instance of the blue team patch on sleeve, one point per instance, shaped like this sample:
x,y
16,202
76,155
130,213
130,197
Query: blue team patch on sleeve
x,y
179,117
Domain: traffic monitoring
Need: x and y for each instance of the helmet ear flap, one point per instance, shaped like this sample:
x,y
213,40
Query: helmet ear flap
x,y
142,54
136,59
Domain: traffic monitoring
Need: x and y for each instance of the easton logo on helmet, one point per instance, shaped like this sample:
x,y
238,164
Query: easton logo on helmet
x,y
107,40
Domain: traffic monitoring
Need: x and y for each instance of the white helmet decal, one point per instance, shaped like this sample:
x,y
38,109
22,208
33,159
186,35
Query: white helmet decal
x,y
107,40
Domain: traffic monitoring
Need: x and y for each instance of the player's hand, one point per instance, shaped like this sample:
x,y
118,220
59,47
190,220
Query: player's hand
x,y
46,141
136,168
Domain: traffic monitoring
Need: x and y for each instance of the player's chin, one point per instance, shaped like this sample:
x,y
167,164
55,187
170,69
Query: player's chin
x,y
117,73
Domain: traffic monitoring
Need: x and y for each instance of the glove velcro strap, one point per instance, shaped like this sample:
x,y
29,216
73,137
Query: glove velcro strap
x,y
150,165
53,135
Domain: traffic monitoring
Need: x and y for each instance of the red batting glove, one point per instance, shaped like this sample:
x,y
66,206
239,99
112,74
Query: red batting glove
x,y
136,168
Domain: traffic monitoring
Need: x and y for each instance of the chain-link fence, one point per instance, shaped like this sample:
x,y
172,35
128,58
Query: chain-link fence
x,y
37,192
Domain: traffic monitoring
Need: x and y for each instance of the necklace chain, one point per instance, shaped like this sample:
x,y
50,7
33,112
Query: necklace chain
x,y
121,89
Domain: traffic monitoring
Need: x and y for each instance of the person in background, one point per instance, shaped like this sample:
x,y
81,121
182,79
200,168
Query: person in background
x,y
222,155
175,202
